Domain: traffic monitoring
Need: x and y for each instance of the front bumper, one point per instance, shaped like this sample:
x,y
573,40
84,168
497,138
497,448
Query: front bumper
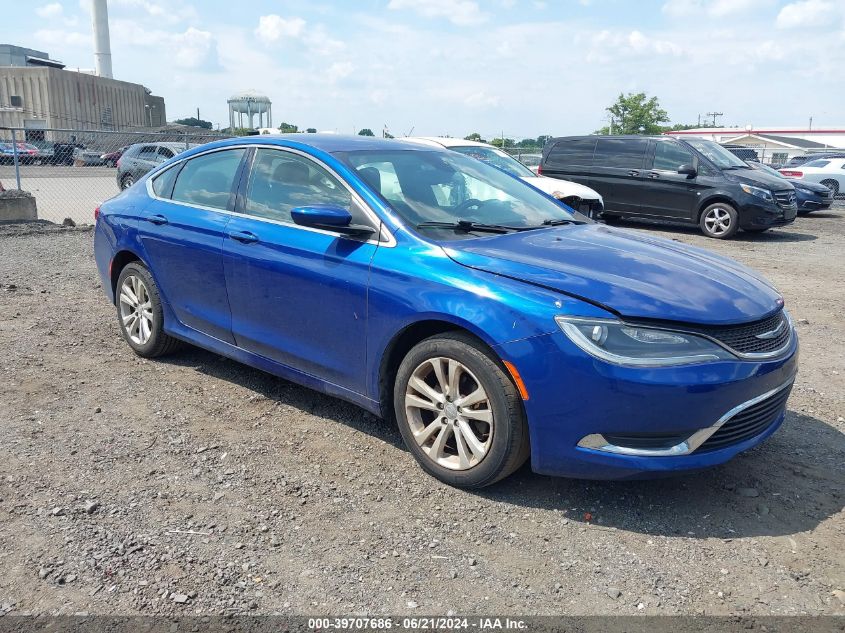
x,y
573,397
754,213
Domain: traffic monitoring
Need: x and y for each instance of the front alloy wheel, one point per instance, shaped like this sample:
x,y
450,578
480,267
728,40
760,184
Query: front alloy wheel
x,y
449,413
127,181
459,412
720,221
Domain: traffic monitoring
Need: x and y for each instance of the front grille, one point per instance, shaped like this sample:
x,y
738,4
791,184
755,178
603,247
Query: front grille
x,y
785,198
749,422
745,338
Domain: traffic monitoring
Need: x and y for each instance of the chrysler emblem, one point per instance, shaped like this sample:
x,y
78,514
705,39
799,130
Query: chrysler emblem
x,y
771,333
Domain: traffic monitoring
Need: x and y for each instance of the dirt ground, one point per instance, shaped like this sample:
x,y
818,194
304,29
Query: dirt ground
x,y
193,484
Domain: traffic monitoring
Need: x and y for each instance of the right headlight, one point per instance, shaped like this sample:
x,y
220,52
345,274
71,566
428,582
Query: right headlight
x,y
624,344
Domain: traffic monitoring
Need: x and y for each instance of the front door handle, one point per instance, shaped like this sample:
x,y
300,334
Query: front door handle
x,y
157,219
633,172
245,237
654,174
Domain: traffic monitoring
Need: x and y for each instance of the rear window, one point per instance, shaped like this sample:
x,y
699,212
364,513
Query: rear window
x,y
624,153
575,151
207,180
817,163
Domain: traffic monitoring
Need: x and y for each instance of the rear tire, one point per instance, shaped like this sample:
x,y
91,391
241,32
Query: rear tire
x,y
719,220
459,413
140,314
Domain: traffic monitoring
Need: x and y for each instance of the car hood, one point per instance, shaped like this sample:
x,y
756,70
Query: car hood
x,y
631,274
567,188
758,179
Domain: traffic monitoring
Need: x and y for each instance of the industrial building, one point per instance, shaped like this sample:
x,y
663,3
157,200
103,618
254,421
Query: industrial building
x,y
773,144
38,93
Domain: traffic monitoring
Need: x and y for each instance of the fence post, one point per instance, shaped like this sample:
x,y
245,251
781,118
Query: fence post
x,y
17,162
186,140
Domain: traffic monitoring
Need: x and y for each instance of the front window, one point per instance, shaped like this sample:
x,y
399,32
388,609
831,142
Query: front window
x,y
669,156
717,154
429,186
497,158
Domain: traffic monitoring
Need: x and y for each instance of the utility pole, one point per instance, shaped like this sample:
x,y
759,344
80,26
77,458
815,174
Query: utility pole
x,y
811,123
714,115
198,114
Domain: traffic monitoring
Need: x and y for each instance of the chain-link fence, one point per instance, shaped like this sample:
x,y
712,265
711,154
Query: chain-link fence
x,y
70,172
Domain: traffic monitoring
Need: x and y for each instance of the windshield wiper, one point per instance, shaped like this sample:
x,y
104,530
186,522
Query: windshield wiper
x,y
467,225
560,222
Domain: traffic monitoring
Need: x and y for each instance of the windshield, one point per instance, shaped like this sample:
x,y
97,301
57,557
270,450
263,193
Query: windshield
x,y
767,169
717,154
432,186
497,158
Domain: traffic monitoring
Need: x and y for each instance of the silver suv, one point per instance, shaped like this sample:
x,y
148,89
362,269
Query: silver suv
x,y
141,158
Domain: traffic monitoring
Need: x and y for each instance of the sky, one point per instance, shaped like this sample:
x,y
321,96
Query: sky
x,y
452,67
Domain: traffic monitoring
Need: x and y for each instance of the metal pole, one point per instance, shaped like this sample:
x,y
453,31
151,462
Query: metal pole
x,y
17,162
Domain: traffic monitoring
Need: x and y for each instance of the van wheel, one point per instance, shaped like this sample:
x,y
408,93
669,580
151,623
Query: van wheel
x,y
459,413
719,220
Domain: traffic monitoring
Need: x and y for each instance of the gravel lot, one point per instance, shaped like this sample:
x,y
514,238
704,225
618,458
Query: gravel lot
x,y
193,484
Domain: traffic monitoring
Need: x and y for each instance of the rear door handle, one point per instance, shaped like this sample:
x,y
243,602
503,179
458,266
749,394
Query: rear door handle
x,y
157,219
245,237
654,175
633,172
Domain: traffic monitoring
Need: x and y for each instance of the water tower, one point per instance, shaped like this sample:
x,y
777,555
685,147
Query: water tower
x,y
250,103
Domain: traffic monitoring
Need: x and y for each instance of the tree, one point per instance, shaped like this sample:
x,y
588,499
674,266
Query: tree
x,y
195,122
288,128
311,130
498,142
636,114
475,136
543,139
366,132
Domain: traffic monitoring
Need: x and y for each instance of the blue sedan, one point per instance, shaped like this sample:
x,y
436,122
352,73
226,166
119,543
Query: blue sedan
x,y
490,322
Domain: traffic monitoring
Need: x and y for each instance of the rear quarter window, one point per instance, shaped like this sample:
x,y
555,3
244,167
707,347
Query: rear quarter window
x,y
571,152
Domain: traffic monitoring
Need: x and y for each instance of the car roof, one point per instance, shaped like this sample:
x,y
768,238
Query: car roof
x,y
330,142
446,141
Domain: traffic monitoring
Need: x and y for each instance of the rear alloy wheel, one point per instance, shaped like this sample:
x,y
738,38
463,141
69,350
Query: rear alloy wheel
x,y
140,314
459,412
719,220
832,185
127,181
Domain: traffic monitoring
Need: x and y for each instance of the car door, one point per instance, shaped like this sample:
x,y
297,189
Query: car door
x,y
668,194
299,295
617,173
182,233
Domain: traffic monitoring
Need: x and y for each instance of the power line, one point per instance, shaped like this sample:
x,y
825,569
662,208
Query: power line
x,y
714,115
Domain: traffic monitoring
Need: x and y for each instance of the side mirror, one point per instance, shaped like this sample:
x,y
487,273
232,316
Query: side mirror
x,y
328,218
687,170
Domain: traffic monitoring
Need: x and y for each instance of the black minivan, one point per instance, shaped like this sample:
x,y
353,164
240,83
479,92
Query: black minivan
x,y
693,180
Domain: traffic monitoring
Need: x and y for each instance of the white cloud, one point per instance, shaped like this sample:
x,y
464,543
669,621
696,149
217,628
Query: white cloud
x,y
606,46
191,49
808,14
712,8
481,99
339,70
65,38
272,28
460,12
52,10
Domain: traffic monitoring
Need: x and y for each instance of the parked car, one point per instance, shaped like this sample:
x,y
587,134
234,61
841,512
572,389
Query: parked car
x,y
829,172
795,161
63,153
693,181
482,315
27,154
532,161
577,196
140,158
110,159
810,196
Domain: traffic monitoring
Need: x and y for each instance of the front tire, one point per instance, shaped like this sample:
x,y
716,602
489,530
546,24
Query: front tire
x,y
127,181
139,313
719,220
459,412
833,185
